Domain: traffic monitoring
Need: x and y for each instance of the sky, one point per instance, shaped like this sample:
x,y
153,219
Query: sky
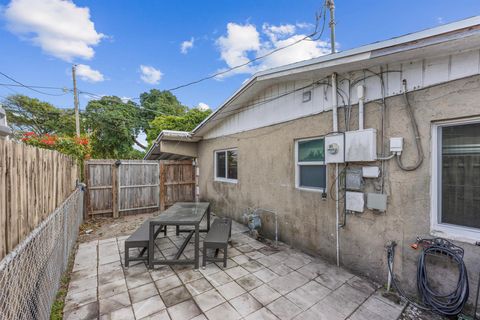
x,y
124,48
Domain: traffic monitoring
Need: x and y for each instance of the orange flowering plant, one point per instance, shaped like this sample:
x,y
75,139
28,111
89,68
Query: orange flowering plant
x,y
77,147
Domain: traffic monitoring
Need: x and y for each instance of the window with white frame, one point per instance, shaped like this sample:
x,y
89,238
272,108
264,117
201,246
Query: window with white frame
x,y
456,179
226,165
310,164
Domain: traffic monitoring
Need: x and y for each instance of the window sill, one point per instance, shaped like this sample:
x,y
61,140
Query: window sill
x,y
456,233
233,181
319,190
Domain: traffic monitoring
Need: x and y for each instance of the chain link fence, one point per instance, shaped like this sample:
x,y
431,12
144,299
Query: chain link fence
x,y
30,274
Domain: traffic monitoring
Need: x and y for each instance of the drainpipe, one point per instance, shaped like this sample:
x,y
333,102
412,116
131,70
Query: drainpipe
x,y
335,129
361,100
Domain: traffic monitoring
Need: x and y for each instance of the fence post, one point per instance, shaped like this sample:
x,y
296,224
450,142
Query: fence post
x,y
115,190
162,186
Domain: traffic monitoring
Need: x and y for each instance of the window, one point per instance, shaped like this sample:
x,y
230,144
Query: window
x,y
456,179
310,164
226,165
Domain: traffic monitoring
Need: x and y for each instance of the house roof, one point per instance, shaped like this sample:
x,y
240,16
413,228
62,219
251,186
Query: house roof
x,y
429,41
439,40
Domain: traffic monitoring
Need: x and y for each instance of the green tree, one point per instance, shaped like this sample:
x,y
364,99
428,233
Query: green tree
x,y
185,122
29,114
155,103
113,126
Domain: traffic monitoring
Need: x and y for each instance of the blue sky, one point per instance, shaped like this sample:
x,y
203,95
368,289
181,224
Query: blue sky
x,y
39,43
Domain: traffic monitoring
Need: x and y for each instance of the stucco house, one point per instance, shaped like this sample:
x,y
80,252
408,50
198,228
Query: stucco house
x,y
313,141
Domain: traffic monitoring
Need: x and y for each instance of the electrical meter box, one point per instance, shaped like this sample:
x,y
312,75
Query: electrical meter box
x,y
354,201
361,145
334,148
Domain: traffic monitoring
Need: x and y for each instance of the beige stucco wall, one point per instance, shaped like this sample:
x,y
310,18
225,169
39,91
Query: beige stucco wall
x,y
266,178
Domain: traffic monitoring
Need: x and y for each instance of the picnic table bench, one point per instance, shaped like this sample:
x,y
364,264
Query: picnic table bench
x,y
139,239
217,238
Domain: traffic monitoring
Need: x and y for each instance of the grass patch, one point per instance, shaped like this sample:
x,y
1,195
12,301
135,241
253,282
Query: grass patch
x,y
56,312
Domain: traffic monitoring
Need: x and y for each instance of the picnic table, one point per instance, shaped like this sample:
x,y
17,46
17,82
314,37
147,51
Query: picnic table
x,y
178,215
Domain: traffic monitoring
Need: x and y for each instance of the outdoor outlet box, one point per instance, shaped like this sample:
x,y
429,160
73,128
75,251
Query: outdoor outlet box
x,y
361,145
370,172
355,201
396,145
334,149
377,201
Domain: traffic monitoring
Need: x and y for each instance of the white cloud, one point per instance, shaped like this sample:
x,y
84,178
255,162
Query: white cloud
x,y
187,45
243,43
203,106
60,28
150,75
275,32
88,74
440,20
237,44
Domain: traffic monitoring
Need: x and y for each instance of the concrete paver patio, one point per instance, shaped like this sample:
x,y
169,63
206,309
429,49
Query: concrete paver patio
x,y
260,282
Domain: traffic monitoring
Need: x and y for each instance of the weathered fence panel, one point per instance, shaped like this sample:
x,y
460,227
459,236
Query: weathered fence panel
x,y
177,182
33,182
138,185
127,186
122,186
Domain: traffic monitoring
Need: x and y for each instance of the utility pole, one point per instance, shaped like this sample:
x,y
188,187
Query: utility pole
x,y
331,6
75,100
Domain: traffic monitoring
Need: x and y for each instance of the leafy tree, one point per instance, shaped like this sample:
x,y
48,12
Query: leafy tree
x,y
113,126
32,115
155,103
185,122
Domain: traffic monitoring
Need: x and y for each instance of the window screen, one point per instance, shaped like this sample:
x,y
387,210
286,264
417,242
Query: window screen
x,y
221,165
460,175
311,170
312,176
232,164
226,164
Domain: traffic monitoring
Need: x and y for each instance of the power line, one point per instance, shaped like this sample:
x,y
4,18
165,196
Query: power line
x,y
307,37
31,88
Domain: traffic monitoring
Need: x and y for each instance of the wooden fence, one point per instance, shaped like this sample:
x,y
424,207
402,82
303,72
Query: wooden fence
x,y
33,182
131,186
177,182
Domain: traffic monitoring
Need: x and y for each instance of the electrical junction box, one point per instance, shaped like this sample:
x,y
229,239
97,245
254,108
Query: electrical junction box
x,y
334,148
377,201
354,201
354,179
370,172
361,145
396,145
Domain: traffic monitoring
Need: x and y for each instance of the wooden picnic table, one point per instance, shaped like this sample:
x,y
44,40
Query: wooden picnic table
x,y
180,214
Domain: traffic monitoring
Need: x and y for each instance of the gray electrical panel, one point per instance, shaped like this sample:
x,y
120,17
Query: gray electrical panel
x,y
354,179
377,201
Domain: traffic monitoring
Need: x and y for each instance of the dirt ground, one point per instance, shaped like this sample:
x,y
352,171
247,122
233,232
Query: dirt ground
x,y
107,227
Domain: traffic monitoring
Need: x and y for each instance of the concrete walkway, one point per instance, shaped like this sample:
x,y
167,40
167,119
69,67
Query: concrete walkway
x,y
260,282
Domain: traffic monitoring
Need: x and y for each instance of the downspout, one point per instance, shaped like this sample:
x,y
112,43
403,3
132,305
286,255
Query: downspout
x,y
335,129
361,100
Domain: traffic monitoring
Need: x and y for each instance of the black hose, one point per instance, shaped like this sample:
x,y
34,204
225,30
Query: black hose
x,y
450,304
476,299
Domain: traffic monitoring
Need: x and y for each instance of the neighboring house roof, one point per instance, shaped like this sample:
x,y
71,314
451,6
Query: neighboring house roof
x,y
4,129
156,152
440,40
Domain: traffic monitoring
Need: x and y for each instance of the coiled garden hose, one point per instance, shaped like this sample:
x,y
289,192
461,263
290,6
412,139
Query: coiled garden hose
x,y
450,304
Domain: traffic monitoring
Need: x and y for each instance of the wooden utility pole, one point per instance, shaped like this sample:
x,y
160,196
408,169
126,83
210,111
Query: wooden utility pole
x,y
331,7
75,100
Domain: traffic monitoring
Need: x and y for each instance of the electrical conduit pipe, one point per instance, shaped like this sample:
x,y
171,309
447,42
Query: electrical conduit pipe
x,y
335,129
